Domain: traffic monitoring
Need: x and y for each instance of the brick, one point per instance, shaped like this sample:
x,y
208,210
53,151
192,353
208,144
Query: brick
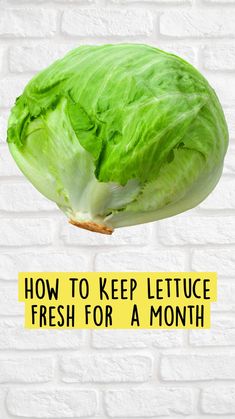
x,y
218,259
229,115
8,166
195,24
197,367
229,163
220,85
219,57
161,260
10,89
106,368
25,232
9,304
26,369
148,402
13,335
56,1
120,339
158,2
27,22
3,393
106,22
51,403
2,56
127,235
186,230
37,261
77,1
221,333
15,197
3,125
35,57
219,2
223,197
226,297
219,400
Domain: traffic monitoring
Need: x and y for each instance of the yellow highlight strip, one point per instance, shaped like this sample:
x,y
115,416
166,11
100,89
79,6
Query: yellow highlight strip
x,y
117,299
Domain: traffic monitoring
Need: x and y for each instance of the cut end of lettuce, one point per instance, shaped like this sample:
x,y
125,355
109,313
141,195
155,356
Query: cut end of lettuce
x,y
118,135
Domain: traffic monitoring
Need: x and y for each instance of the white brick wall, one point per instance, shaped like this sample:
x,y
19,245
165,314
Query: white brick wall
x,y
149,402
26,369
197,24
106,369
51,402
105,22
27,22
116,373
185,367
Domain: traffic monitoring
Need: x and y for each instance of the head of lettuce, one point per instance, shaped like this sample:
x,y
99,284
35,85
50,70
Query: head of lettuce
x,y
118,135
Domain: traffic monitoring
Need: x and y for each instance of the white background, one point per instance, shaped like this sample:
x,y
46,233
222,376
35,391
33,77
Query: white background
x,y
76,374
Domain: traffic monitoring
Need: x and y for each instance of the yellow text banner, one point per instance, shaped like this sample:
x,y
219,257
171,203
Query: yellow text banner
x,y
118,300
